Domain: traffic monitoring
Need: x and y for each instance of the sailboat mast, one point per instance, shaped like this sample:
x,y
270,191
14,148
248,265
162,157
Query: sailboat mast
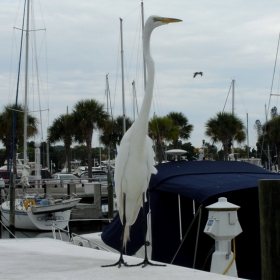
x,y
123,101
26,87
268,151
144,62
248,149
107,92
133,98
107,96
233,81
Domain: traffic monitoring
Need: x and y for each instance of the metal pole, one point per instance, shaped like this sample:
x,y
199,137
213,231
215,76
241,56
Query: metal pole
x,y
180,219
187,232
100,158
13,154
26,88
109,183
110,201
48,156
193,206
233,82
123,101
268,152
12,204
144,62
248,149
106,92
133,98
37,164
197,236
203,142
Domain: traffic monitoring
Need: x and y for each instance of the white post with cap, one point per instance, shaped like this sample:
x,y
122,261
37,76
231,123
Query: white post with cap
x,y
223,226
37,164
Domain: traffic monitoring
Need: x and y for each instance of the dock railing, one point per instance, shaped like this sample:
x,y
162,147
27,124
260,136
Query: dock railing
x,y
86,192
7,229
71,238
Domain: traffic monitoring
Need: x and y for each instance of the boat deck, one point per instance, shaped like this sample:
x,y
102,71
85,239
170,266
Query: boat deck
x,y
46,258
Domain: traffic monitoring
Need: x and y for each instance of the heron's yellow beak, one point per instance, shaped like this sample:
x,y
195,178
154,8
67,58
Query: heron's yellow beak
x,y
167,20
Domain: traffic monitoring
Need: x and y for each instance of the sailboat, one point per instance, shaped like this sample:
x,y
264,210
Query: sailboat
x,y
34,211
19,165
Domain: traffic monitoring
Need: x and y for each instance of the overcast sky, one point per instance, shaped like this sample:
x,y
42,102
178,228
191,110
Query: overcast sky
x,y
225,40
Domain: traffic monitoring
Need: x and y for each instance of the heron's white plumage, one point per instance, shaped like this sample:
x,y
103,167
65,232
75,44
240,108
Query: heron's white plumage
x,y
131,177
135,159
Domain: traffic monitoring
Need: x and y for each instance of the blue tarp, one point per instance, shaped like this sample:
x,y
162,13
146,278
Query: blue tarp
x,y
200,180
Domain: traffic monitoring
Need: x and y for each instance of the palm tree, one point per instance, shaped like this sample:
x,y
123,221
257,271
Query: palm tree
x,y
88,115
272,135
62,130
262,139
113,131
268,136
184,128
162,129
6,127
225,128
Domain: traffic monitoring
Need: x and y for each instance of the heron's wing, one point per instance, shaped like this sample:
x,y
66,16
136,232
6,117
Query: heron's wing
x,y
121,161
150,156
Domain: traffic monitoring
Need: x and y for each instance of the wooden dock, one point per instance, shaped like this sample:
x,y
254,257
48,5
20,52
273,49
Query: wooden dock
x,y
45,258
89,191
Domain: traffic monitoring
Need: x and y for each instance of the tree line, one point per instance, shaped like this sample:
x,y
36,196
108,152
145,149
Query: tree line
x,y
168,132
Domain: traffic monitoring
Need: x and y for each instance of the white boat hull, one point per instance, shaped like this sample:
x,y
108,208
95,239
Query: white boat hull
x,y
64,205
28,221
94,241
25,219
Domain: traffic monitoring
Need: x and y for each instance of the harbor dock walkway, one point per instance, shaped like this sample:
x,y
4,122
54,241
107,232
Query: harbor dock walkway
x,y
46,258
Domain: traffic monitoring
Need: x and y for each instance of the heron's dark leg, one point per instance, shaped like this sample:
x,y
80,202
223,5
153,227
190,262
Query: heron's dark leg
x,y
145,262
120,261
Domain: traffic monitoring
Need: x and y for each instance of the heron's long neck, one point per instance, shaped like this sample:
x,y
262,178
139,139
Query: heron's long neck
x,y
143,117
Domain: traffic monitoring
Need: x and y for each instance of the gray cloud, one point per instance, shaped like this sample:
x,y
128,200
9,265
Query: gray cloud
x,y
224,39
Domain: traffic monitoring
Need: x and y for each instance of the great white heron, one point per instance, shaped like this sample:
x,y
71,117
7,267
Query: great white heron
x,y
136,158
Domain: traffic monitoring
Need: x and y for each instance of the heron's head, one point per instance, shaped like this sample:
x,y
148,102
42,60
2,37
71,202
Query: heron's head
x,y
156,21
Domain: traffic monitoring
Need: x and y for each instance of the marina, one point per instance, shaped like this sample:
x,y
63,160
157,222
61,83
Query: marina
x,y
178,231
146,203
93,198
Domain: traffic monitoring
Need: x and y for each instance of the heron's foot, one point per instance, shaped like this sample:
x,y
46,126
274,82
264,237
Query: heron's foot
x,y
118,263
146,262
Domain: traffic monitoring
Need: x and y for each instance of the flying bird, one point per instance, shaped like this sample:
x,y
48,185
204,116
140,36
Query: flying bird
x,y
197,73
136,158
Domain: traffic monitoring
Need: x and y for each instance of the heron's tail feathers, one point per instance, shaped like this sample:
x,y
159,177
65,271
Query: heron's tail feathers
x,y
126,236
